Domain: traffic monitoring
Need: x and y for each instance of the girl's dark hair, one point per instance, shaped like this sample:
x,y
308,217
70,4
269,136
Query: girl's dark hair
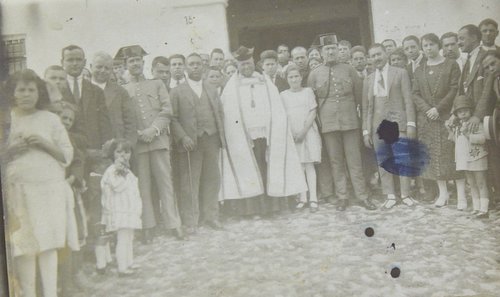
x,y
110,147
400,53
26,76
291,68
432,38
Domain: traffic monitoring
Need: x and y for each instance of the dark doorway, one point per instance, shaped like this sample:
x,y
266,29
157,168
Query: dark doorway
x,y
264,24
298,34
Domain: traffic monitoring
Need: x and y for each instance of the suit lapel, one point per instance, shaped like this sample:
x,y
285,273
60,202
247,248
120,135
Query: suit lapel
x,y
475,67
390,79
190,91
87,94
66,93
109,94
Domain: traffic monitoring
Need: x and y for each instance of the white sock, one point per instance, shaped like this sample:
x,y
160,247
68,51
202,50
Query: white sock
x,y
484,204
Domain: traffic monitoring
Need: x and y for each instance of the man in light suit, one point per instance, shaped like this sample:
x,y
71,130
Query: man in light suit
x,y
153,111
387,96
118,102
198,136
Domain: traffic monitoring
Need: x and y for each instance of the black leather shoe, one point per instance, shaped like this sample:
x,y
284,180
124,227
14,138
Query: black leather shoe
x,y
179,234
342,205
215,224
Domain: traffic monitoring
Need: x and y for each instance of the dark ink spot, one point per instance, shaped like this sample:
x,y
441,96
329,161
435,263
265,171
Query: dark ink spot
x,y
395,272
369,232
236,122
166,43
401,156
70,19
393,246
388,131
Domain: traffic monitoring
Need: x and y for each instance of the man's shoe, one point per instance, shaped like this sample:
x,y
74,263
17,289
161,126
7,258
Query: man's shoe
x,y
368,204
342,205
179,234
215,224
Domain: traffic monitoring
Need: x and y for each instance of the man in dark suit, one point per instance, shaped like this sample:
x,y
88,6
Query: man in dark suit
x,y
411,46
472,85
269,59
198,136
153,111
93,118
177,67
387,96
118,102
489,32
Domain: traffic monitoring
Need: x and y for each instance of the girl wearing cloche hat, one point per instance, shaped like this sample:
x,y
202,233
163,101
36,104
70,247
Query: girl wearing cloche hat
x,y
470,156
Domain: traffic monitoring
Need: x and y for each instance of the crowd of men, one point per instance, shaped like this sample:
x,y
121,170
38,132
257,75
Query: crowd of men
x,y
209,131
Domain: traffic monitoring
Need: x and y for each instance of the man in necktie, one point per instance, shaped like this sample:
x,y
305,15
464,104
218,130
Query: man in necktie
x,y
177,67
339,90
387,96
198,136
411,47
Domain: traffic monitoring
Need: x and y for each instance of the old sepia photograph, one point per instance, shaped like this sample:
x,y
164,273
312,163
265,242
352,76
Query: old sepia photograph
x,y
250,148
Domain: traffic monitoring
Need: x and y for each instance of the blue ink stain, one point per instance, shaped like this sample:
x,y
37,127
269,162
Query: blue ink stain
x,y
400,155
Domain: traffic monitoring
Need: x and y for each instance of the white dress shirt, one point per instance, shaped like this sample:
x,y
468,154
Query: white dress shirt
x,y
100,85
71,81
197,86
473,57
377,90
414,63
173,82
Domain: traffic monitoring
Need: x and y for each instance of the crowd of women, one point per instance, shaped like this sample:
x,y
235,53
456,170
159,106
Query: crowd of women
x,y
67,188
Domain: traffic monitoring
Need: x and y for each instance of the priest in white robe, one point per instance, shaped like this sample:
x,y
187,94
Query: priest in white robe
x,y
260,166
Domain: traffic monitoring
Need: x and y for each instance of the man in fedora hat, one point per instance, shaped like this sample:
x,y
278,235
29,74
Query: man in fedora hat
x,y
152,157
260,165
339,90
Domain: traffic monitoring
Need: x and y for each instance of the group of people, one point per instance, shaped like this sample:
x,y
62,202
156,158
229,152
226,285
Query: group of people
x,y
93,155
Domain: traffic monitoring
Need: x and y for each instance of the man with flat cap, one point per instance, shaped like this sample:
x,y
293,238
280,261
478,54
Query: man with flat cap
x,y
260,166
339,91
152,157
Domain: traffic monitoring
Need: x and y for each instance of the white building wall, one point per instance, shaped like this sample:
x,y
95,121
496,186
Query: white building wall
x,y
162,27
396,19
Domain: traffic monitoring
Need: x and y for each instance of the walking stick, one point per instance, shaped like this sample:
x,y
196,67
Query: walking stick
x,y
191,185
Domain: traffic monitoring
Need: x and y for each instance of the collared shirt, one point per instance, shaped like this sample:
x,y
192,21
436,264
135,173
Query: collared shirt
x,y
416,62
489,48
71,80
173,82
461,61
473,57
197,86
377,90
100,85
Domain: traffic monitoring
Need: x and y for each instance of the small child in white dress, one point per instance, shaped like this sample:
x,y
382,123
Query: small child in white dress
x,y
300,105
121,203
470,156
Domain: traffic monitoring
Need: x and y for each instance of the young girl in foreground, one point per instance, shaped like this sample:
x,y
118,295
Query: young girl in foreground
x,y
121,203
300,105
470,156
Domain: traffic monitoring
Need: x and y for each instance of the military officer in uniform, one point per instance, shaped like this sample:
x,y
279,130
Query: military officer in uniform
x,y
339,90
152,157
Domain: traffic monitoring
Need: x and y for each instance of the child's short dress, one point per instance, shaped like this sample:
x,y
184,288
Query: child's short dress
x,y
297,106
470,152
121,201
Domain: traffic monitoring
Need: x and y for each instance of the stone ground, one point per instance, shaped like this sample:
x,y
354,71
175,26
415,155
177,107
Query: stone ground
x,y
440,252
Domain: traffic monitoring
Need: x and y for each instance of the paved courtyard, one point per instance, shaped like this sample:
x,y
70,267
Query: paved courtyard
x,y
440,252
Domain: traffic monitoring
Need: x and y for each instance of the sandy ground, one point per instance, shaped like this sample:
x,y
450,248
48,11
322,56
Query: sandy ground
x,y
440,252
